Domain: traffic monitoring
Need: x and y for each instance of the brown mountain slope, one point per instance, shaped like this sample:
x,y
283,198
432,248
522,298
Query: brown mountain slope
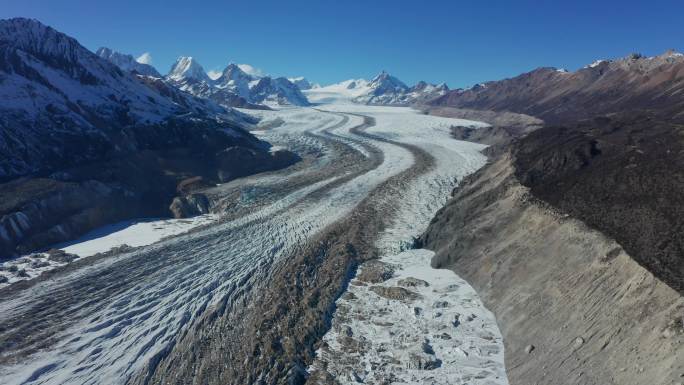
x,y
620,173
634,82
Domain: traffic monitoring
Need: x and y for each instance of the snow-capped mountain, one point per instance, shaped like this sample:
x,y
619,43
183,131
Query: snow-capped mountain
x,y
386,89
127,62
188,75
277,91
236,80
235,87
62,104
302,83
385,83
424,92
187,68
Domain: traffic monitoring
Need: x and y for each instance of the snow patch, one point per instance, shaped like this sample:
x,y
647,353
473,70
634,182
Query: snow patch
x,y
250,70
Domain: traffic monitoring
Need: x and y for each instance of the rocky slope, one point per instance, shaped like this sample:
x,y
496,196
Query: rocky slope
x,y
504,127
93,143
572,233
619,172
602,87
63,104
573,306
127,62
622,175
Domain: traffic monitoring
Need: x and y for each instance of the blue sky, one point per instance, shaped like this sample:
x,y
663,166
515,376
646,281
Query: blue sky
x,y
459,42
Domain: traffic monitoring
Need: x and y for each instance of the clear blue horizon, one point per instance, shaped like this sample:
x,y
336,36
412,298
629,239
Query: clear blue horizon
x,y
460,43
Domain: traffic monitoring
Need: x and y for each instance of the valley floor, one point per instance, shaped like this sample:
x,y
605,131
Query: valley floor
x,y
210,306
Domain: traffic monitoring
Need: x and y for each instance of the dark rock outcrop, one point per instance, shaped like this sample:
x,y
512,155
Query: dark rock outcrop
x,y
238,161
189,206
623,176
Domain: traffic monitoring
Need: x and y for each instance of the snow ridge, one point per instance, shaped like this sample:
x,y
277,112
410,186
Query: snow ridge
x,y
127,62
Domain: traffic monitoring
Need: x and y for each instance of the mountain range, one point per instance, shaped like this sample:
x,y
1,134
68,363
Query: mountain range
x,y
604,86
386,89
113,143
571,233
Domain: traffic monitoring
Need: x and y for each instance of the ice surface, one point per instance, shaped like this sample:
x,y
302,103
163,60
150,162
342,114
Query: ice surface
x,y
186,274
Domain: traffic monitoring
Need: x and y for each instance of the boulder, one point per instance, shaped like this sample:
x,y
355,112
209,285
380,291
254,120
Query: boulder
x,y
412,282
395,293
190,206
375,272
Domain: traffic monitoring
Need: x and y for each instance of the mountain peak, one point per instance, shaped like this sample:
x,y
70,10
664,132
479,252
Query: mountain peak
x,y
127,62
188,68
385,83
301,82
234,72
34,37
383,75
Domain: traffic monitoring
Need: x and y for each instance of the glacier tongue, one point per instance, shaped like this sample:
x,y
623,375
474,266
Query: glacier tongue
x,y
422,324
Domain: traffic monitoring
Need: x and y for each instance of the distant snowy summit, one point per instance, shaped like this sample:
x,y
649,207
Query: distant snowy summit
x,y
384,89
127,62
234,87
63,104
302,83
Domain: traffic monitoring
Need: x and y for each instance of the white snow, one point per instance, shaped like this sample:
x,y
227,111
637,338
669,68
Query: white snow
x,y
134,233
596,63
214,74
252,71
187,67
145,58
342,92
